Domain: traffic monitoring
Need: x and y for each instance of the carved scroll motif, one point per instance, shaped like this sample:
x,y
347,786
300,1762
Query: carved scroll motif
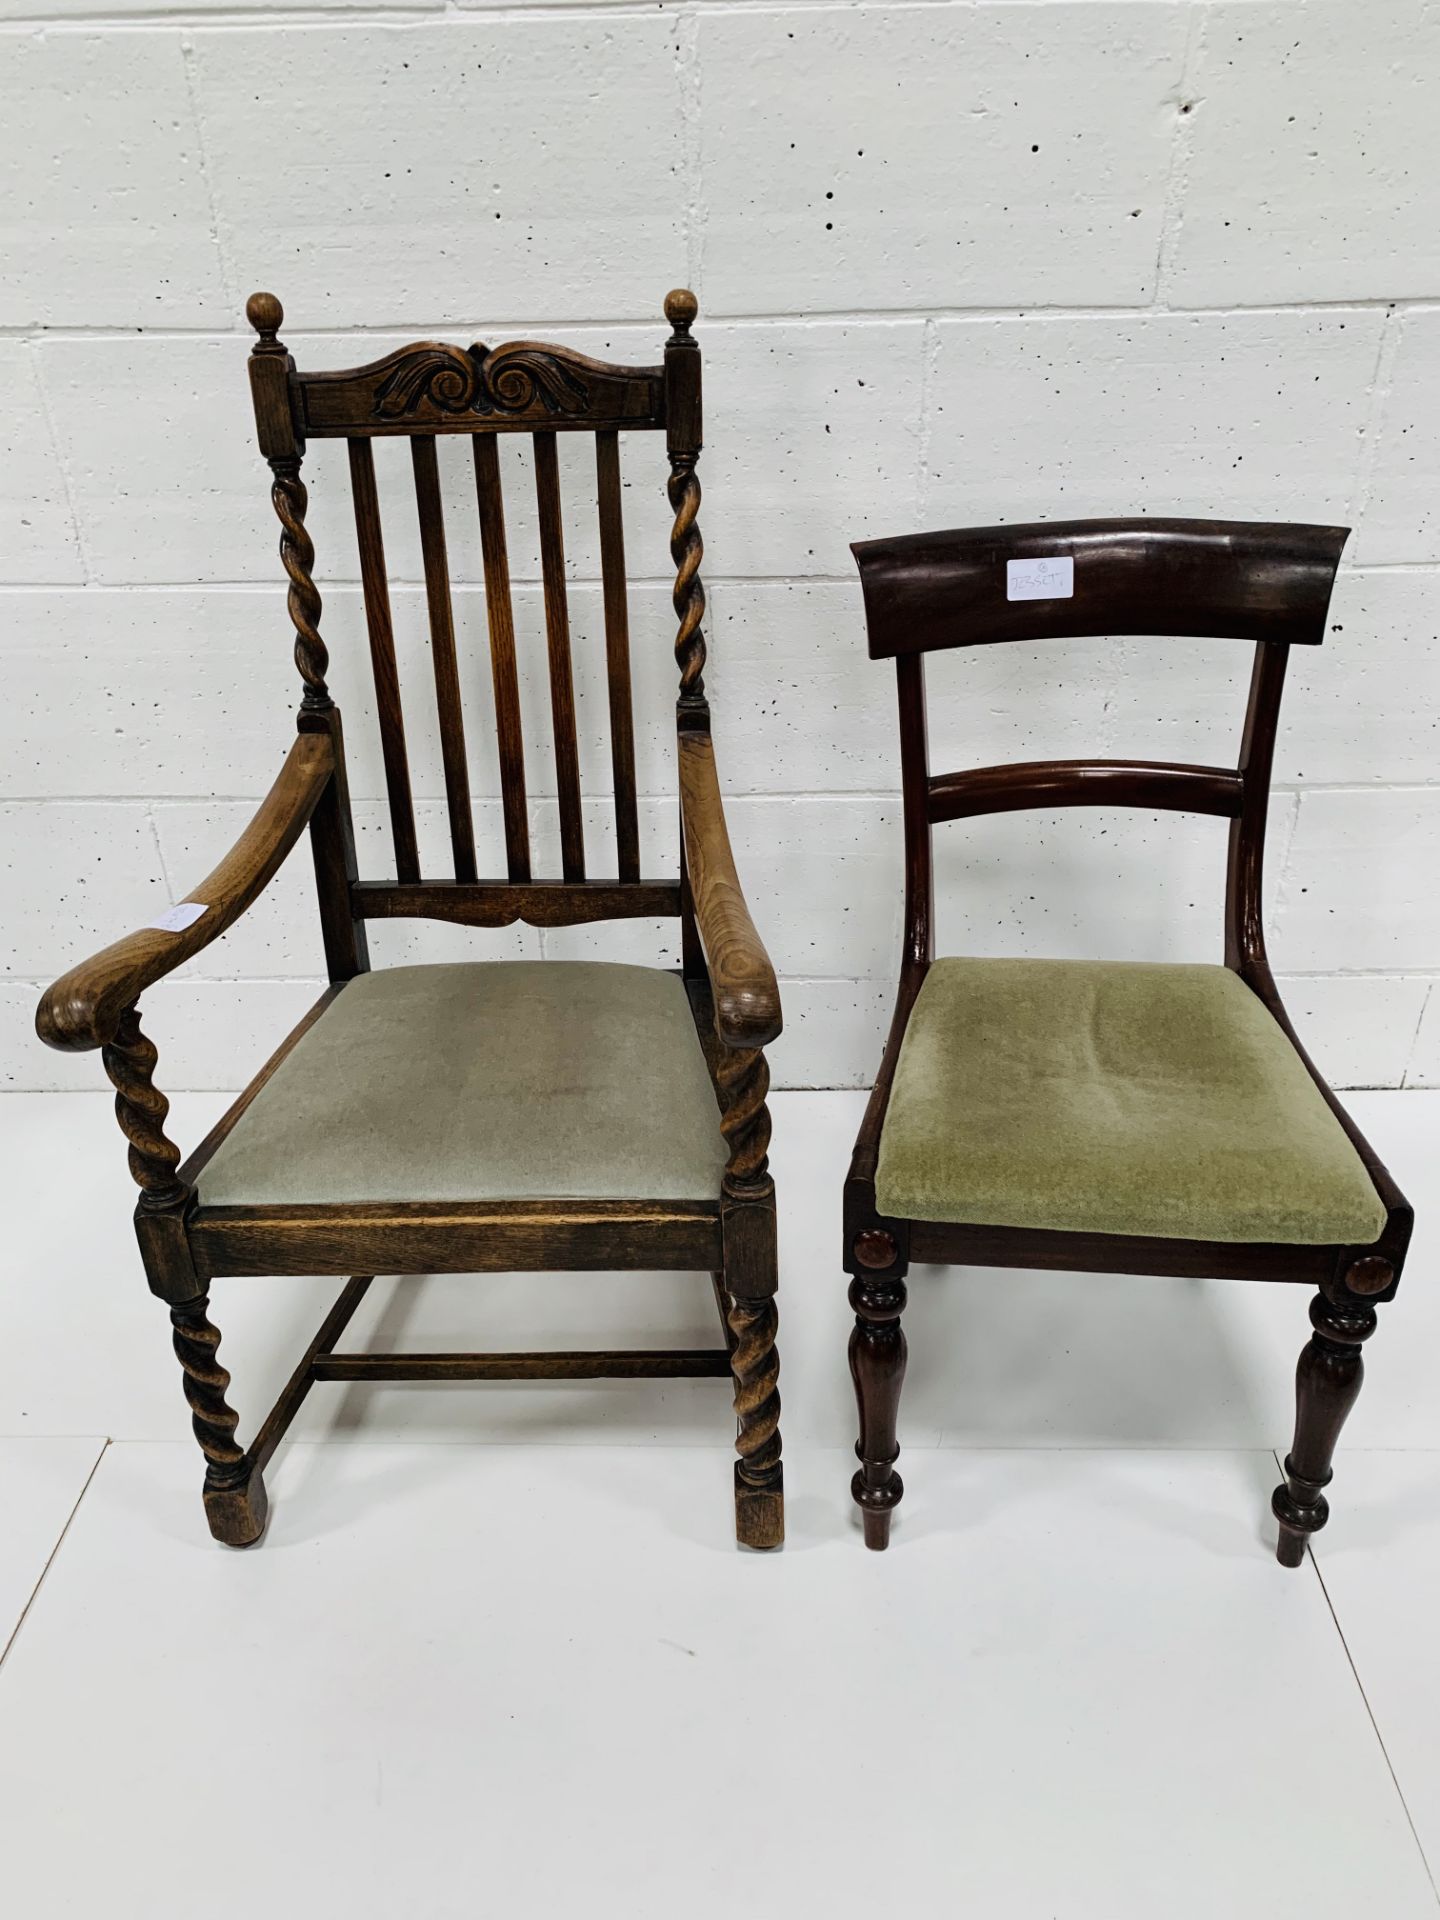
x,y
512,380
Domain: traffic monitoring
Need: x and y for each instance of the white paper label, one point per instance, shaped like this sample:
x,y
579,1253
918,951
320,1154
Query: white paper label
x,y
177,919
1052,579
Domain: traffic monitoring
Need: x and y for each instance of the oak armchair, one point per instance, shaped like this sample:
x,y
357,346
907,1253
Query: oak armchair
x,y
476,1116
1109,1116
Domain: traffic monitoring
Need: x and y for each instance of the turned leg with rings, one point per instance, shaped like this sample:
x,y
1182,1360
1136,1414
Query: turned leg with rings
x,y
877,1366
1327,1383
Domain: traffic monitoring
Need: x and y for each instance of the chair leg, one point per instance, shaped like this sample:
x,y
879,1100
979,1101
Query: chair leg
x,y
1327,1382
722,1304
877,1366
759,1476
236,1505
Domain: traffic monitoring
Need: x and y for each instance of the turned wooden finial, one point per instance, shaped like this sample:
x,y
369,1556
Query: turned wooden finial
x,y
681,308
267,316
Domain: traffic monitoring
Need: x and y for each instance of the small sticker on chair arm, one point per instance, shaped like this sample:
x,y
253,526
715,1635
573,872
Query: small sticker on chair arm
x,y
1051,579
177,919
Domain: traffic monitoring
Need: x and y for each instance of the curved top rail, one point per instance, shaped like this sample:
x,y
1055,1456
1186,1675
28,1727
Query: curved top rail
x,y
1225,579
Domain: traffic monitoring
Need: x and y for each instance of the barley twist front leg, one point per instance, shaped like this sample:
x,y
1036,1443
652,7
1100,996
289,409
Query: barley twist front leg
x,y
234,1491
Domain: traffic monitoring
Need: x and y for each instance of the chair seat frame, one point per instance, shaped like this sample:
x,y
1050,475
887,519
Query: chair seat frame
x,y
420,392
1267,583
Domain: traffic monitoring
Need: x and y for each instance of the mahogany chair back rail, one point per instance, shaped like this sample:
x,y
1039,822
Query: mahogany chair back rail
x,y
1266,583
1220,579
421,392
930,592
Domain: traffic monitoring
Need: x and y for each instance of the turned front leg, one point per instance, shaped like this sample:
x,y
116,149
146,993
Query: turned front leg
x,y
1327,1383
877,1366
755,1367
234,1493
236,1504
747,1224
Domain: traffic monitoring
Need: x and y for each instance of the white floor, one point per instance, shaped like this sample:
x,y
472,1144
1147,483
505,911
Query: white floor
x,y
497,1653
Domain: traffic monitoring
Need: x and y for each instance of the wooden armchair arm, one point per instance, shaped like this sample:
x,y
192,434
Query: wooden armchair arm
x,y
84,1007
742,980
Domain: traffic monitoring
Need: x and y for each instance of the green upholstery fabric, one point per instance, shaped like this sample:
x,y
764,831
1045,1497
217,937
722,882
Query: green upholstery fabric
x,y
508,1080
1112,1097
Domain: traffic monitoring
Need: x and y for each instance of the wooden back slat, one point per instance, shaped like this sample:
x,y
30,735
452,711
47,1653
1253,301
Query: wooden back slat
x,y
420,392
617,652
557,636
510,738
382,660
442,646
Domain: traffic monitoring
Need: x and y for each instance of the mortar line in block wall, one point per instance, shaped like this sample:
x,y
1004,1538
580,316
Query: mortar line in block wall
x,y
340,583
751,796
883,984
419,12
400,583
647,323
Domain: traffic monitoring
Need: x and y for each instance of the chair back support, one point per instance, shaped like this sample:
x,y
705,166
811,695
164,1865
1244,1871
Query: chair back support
x,y
421,392
928,592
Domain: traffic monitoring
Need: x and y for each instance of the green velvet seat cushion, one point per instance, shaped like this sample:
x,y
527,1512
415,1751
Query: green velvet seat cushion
x,y
508,1080
1114,1097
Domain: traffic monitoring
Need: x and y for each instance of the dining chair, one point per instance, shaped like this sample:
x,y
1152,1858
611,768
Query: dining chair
x,y
483,1115
1108,1116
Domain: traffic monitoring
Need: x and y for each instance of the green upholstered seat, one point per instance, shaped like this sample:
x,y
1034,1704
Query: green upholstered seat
x,y
511,1080
1112,1097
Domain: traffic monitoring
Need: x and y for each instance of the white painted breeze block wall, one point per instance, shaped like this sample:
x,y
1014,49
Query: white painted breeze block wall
x,y
981,262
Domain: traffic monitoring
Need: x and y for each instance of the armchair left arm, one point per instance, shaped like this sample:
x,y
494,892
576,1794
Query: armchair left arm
x,y
84,1008
747,996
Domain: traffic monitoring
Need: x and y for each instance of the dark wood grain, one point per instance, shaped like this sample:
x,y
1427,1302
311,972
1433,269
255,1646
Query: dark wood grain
x,y
420,392
1270,584
617,653
504,677
1223,579
376,589
747,999
501,903
1327,1384
877,1368
234,1491
684,436
661,1363
332,845
557,640
432,387
84,1007
442,652
493,1237
1151,784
